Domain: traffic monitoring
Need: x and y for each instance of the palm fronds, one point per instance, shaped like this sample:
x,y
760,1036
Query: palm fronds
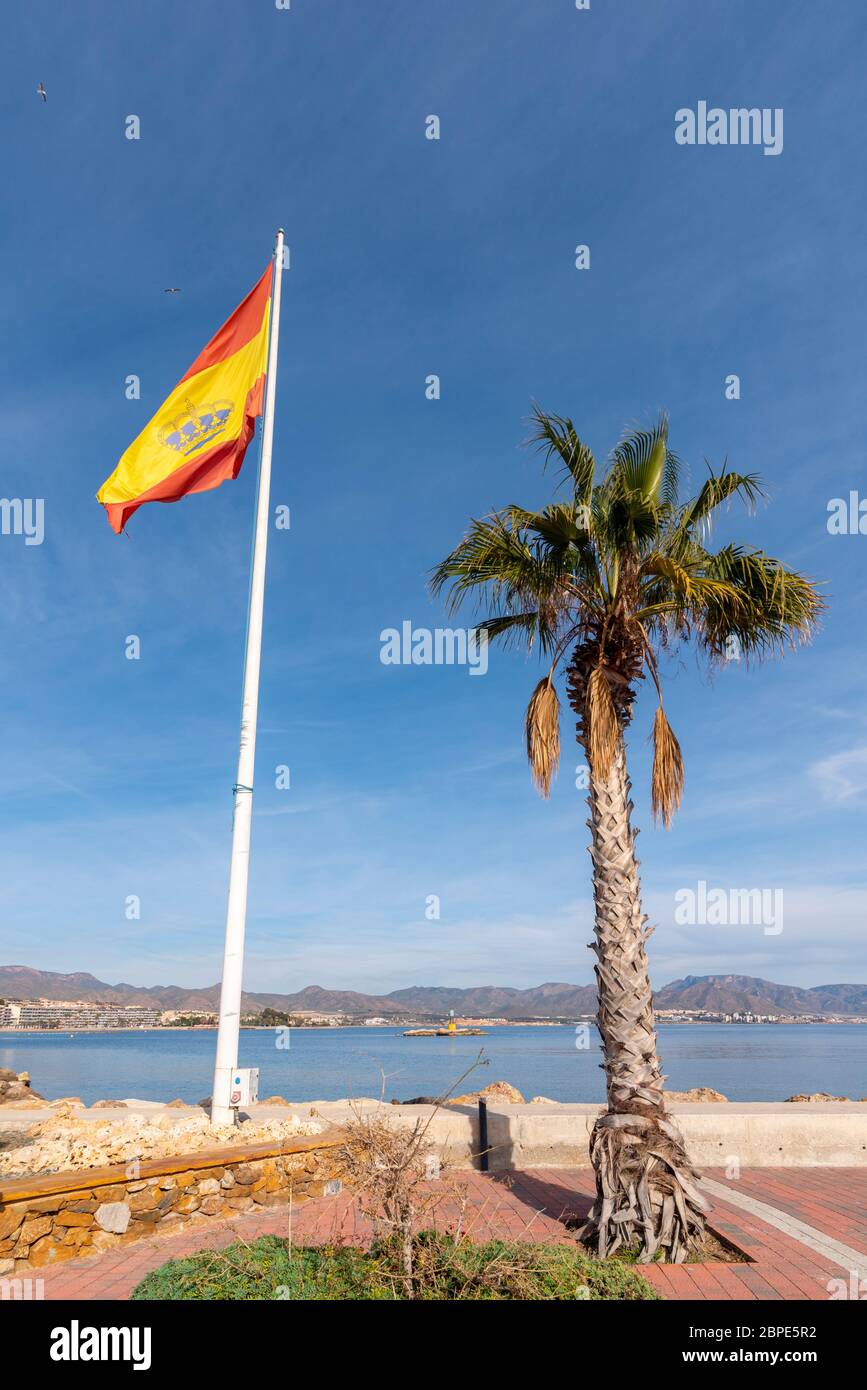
x,y
542,730
556,436
622,554
719,488
666,783
643,463
600,719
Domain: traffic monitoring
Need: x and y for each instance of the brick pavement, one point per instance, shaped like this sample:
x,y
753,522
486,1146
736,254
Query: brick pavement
x,y
536,1204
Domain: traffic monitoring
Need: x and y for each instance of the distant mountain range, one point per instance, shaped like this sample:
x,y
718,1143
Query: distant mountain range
x,y
715,993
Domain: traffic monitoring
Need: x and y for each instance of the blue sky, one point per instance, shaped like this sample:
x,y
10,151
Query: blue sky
x,y
411,257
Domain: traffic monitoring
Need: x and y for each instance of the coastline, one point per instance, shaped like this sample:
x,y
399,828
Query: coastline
x,y
834,1020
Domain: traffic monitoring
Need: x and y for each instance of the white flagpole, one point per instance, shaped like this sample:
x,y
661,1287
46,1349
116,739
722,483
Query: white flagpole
x,y
236,911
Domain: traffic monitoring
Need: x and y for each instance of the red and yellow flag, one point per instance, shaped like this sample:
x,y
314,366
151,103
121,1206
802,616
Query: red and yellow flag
x,y
199,436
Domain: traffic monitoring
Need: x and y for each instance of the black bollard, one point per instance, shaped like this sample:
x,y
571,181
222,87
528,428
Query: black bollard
x,y
483,1134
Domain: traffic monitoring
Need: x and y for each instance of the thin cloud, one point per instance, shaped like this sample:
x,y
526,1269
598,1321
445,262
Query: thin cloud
x,y
842,777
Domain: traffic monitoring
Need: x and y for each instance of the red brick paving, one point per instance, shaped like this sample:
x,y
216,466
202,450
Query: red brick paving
x,y
817,1197
534,1205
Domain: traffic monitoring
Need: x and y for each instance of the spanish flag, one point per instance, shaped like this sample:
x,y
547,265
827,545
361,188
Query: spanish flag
x,y
198,438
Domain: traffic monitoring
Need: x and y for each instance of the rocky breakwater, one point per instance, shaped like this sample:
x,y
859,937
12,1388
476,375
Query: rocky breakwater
x,y
504,1093
15,1089
821,1097
69,1140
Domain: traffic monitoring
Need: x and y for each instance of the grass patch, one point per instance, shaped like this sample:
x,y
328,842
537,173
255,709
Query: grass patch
x,y
269,1268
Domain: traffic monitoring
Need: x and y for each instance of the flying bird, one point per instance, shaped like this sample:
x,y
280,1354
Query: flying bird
x,y
173,289
41,92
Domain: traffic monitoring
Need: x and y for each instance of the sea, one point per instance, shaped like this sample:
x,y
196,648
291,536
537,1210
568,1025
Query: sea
x,y
748,1062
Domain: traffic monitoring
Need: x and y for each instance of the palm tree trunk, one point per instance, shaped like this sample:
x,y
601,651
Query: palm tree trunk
x,y
646,1188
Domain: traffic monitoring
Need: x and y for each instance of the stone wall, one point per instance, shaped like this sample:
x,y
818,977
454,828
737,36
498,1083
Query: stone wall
x,y
65,1215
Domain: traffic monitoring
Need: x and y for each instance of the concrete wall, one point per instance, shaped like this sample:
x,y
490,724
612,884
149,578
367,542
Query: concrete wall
x,y
758,1134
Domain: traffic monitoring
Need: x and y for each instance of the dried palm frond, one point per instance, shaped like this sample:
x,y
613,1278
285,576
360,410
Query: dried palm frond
x,y
666,785
542,727
601,722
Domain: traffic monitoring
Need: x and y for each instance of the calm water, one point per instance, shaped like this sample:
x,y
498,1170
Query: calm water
x,y
745,1062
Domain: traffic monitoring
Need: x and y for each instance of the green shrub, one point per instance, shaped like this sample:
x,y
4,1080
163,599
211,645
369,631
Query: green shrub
x,y
270,1268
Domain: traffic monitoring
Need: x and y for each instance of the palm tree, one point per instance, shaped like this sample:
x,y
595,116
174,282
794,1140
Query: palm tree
x,y
602,582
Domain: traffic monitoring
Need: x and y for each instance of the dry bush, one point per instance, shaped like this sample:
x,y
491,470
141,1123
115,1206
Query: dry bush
x,y
389,1167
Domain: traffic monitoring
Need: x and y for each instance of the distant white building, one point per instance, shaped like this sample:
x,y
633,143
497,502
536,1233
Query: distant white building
x,y
51,1013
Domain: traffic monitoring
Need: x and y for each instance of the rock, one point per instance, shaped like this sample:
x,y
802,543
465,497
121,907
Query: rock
x,y
228,1179
543,1100
10,1220
115,1192
46,1204
47,1252
104,1240
698,1093
15,1089
6,1267
274,1100
143,1201
113,1217
816,1096
172,1222
240,1203
73,1218
499,1092
34,1228
67,1100
178,1105
18,1093
211,1206
77,1236
186,1205
148,1218
208,1186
